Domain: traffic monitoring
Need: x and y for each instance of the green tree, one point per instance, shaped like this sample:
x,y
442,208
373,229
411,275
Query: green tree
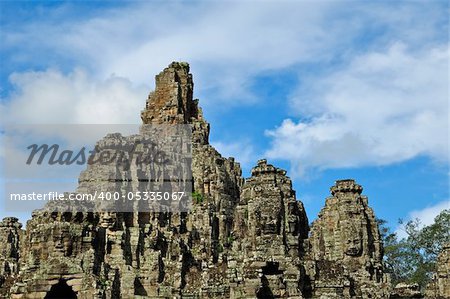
x,y
425,243
413,258
397,255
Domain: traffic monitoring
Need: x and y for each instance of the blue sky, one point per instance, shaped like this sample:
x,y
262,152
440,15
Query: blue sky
x,y
326,90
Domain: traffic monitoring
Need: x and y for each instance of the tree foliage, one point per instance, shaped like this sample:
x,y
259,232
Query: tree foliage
x,y
413,259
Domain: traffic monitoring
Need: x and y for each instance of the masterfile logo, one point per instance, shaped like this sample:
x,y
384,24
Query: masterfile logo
x,y
123,168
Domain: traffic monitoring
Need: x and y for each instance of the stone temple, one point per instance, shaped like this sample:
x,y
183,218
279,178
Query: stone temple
x,y
245,238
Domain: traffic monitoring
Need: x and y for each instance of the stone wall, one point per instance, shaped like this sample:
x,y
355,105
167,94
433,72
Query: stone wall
x,y
439,287
10,238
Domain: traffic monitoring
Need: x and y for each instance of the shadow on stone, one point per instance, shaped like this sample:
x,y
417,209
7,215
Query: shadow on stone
x,y
264,292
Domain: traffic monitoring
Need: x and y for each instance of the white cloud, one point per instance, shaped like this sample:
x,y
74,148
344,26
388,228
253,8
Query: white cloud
x,y
426,216
228,43
56,98
384,107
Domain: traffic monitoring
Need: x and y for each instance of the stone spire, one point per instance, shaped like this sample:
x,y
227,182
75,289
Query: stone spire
x,y
345,246
171,102
269,228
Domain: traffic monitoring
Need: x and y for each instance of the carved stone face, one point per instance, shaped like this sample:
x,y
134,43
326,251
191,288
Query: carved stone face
x,y
108,219
352,240
353,247
62,241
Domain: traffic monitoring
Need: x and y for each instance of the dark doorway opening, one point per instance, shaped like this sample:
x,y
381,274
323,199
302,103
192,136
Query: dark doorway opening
x,y
61,291
271,268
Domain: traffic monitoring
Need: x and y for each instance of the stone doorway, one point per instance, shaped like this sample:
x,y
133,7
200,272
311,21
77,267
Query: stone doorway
x,y
61,290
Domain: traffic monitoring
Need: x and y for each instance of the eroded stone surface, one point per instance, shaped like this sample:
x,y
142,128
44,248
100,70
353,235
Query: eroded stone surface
x,y
405,291
10,237
439,287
